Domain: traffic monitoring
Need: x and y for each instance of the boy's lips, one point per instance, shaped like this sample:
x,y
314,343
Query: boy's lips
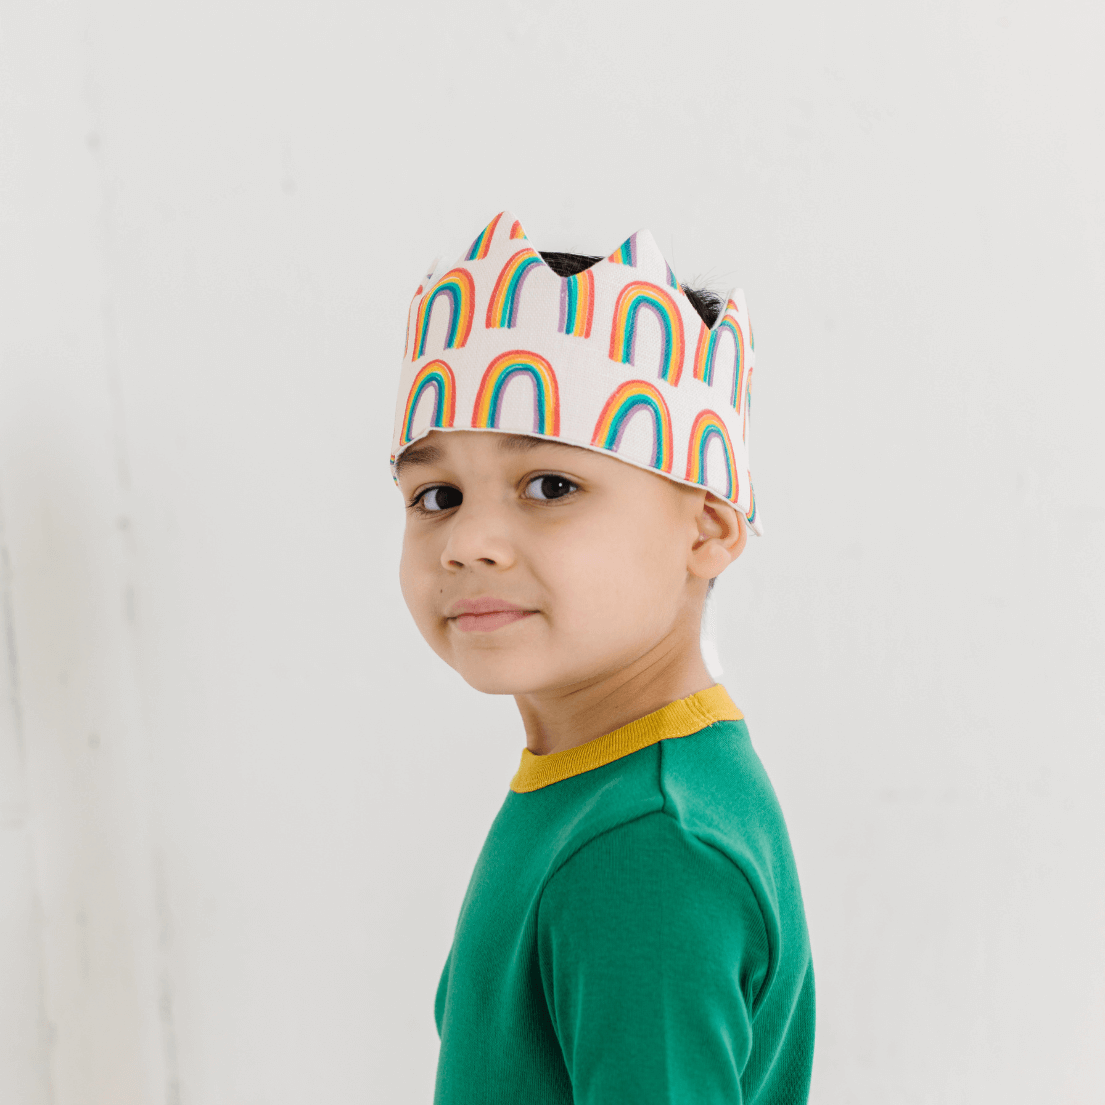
x,y
485,614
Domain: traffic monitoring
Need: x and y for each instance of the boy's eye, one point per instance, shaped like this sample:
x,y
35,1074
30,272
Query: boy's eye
x,y
550,487
440,498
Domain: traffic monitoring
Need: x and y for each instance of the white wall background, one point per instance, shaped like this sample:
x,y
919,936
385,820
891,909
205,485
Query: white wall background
x,y
240,799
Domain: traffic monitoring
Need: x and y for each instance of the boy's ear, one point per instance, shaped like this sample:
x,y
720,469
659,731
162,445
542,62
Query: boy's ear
x,y
721,537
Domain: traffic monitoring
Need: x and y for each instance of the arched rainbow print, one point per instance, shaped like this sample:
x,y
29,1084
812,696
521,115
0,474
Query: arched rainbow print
x,y
705,355
671,277
438,377
751,515
577,304
457,288
503,369
502,308
747,405
516,230
410,311
631,398
635,297
483,242
708,425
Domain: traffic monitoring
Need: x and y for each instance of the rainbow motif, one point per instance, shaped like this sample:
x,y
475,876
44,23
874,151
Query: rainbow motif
x,y
483,241
706,354
457,287
502,308
623,336
747,405
630,398
671,277
626,253
577,304
751,515
503,369
708,425
436,375
516,230
407,339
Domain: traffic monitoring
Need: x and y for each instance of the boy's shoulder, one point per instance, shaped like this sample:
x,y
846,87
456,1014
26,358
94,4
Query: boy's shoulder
x,y
710,785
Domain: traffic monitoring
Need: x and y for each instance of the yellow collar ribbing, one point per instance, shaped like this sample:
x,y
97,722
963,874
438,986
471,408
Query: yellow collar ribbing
x,y
677,719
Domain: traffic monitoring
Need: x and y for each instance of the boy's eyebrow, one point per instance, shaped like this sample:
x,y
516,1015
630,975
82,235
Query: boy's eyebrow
x,y
508,443
521,443
417,454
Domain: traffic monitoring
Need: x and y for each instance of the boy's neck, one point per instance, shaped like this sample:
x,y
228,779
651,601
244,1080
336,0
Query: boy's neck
x,y
558,720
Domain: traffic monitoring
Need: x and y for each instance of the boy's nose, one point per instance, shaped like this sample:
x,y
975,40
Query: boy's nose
x,y
477,535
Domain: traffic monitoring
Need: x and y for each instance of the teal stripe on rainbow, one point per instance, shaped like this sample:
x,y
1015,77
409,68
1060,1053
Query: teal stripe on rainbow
x,y
435,376
751,515
635,297
626,253
632,398
502,308
577,304
705,356
708,426
483,242
457,288
499,373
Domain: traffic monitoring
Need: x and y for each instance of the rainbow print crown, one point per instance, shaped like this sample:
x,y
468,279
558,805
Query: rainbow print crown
x,y
614,359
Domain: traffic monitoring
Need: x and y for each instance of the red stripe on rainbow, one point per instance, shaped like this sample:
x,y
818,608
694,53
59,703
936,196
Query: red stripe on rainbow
x,y
707,426
502,307
635,297
457,288
499,373
438,377
705,355
410,311
626,253
483,242
628,400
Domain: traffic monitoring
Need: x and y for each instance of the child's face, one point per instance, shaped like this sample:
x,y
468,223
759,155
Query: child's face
x,y
531,565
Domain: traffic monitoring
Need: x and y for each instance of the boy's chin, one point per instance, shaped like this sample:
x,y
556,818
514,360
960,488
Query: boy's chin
x,y
503,675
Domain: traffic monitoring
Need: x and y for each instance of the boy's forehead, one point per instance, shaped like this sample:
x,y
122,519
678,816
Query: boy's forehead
x,y
438,446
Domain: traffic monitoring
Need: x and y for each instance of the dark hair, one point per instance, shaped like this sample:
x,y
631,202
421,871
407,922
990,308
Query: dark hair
x,y
708,304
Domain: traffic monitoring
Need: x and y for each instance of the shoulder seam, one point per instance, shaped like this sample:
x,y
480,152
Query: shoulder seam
x,y
772,951
590,840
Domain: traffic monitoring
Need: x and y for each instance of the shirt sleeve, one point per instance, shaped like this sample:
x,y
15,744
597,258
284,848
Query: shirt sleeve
x,y
652,949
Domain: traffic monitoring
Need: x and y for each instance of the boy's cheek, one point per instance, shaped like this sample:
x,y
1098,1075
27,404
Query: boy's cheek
x,y
590,566
416,578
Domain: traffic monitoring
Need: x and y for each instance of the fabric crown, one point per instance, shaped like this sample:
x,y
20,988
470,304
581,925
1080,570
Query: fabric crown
x,y
614,359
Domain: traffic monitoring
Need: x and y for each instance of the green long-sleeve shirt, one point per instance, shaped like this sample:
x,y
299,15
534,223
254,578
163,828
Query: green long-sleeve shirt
x,y
633,932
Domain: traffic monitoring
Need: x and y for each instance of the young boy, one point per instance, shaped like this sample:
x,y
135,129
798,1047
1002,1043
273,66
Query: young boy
x,y
571,443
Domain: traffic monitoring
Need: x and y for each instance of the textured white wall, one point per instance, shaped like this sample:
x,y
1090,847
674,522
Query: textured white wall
x,y
240,799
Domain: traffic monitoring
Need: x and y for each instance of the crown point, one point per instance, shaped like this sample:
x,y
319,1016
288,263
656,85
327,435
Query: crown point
x,y
626,253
